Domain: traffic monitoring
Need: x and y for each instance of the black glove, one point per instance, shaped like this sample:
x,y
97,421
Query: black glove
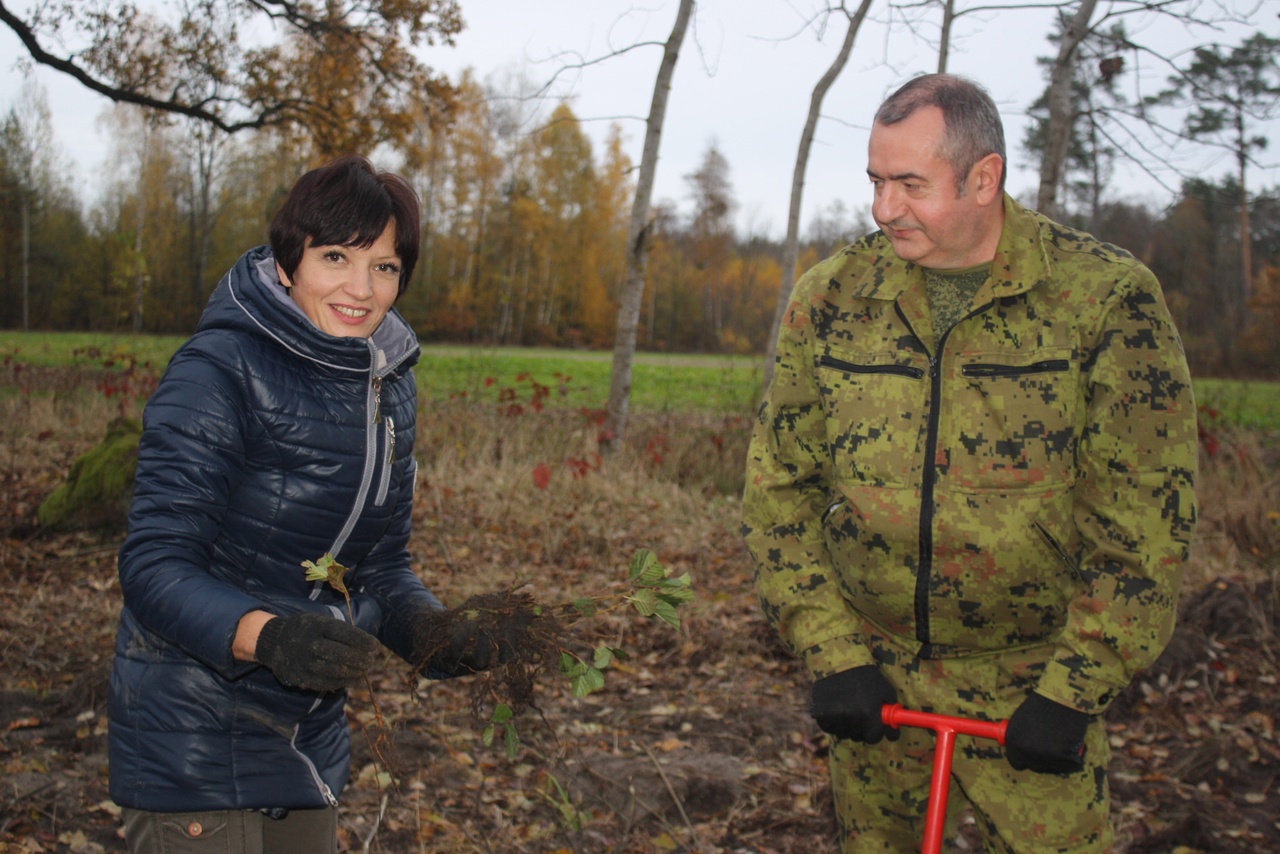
x,y
847,704
1046,737
315,652
469,638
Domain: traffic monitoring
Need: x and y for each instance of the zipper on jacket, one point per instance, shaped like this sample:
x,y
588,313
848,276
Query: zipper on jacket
x,y
928,478
828,361
388,458
1058,550
1049,366
373,404
929,482
325,791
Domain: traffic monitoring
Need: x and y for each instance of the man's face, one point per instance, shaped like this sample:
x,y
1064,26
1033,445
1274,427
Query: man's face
x,y
916,200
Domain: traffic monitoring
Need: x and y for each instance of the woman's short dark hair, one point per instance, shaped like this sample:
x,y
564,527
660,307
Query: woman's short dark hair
x,y
346,202
973,124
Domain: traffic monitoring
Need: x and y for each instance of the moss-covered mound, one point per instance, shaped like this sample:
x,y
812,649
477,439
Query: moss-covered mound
x,y
99,487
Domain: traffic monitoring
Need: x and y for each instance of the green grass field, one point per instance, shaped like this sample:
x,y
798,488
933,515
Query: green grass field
x,y
661,382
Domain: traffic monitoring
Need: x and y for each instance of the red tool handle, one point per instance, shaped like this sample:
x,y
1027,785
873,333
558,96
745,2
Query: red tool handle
x,y
946,728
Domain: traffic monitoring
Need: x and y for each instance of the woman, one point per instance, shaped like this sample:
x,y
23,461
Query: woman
x,y
281,431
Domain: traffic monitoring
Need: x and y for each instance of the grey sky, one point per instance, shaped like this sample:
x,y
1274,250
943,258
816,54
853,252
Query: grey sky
x,y
743,80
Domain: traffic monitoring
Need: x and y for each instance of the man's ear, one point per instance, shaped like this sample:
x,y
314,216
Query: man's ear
x,y
984,178
284,280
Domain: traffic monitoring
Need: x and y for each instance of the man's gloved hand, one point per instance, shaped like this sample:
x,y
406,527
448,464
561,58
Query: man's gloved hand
x,y
469,638
315,652
847,704
1046,737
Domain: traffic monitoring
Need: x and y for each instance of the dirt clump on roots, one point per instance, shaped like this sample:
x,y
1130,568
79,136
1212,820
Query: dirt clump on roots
x,y
524,637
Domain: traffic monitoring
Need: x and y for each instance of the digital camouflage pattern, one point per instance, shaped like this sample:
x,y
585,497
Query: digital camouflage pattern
x,y
1026,481
881,791
951,294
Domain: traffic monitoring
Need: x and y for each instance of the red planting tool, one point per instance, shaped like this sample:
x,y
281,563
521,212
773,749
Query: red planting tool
x,y
945,727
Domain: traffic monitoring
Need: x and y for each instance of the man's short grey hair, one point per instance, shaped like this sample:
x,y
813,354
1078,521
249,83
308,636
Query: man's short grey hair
x,y
973,123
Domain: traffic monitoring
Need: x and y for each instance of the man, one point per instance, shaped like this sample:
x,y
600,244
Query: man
x,y
970,488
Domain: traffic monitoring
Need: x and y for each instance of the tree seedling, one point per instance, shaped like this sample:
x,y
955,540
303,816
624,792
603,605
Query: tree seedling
x,y
507,690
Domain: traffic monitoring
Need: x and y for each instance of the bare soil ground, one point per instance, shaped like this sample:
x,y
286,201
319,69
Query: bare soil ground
x,y
699,742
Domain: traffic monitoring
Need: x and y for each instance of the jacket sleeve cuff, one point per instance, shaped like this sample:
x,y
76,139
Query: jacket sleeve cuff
x,y
836,655
1069,686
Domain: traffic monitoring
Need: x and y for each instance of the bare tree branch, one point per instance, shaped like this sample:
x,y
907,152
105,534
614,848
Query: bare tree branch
x,y
791,244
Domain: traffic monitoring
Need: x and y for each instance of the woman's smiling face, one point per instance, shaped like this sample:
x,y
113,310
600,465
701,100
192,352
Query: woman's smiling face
x,y
346,291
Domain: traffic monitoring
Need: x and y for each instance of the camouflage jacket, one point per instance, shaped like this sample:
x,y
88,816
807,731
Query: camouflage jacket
x,y
1027,480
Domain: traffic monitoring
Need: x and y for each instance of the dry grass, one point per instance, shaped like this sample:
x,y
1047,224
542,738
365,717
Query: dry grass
x,y
672,487
489,516
1238,530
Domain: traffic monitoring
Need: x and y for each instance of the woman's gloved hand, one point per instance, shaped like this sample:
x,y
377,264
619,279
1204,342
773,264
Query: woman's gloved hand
x,y
1046,737
848,704
315,652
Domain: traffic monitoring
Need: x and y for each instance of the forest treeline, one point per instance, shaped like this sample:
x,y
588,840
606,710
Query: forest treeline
x,y
524,236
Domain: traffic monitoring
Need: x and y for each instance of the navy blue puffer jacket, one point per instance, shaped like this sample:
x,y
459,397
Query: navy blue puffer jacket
x,y
266,443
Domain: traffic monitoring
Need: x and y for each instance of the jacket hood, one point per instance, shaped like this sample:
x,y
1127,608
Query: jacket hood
x,y
250,298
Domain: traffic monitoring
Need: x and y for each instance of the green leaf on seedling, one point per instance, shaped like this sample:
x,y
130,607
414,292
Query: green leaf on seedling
x,y
590,679
585,678
645,568
586,606
327,570
603,657
666,612
683,583
645,601
501,717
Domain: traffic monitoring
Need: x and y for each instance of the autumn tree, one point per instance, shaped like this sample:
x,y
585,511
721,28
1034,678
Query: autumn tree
x,y
1073,29
711,236
201,66
1195,256
1231,93
1080,165
37,211
464,172
614,193
24,129
624,348
790,246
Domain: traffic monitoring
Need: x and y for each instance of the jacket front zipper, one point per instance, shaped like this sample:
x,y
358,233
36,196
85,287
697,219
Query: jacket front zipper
x,y
373,408
928,482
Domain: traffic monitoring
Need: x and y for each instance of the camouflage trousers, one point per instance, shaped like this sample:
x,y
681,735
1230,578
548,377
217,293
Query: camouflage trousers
x,y
882,791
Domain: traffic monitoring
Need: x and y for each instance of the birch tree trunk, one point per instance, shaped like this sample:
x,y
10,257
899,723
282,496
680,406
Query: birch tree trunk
x,y
944,37
791,246
624,346
1061,112
1246,232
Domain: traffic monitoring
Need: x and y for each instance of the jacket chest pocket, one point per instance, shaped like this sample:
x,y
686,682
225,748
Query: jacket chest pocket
x,y
1012,421
874,405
